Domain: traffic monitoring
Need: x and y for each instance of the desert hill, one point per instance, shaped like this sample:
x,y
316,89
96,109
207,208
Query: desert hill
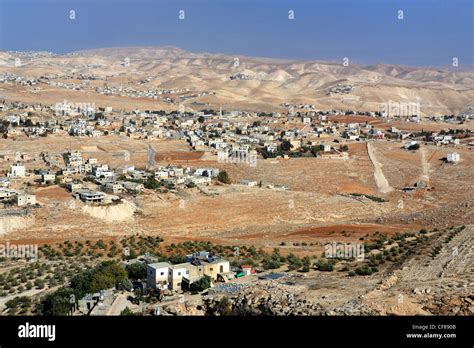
x,y
251,82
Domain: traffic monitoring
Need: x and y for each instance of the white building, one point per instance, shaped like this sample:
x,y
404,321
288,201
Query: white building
x,y
210,172
325,147
199,180
25,199
74,186
248,183
17,171
48,177
453,157
4,182
157,275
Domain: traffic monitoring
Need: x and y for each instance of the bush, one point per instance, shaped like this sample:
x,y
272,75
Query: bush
x,y
306,264
151,184
271,263
363,270
127,312
294,263
325,266
223,177
224,307
39,283
201,284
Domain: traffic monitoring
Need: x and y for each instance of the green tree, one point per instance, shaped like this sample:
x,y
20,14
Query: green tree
x,y
104,276
294,262
127,312
223,177
286,145
306,264
57,303
136,270
325,266
151,184
39,283
201,284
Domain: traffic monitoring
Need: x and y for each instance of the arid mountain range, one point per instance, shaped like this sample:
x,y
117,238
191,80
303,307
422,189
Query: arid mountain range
x,y
259,83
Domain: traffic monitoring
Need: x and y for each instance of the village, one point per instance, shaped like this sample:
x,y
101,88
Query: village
x,y
231,137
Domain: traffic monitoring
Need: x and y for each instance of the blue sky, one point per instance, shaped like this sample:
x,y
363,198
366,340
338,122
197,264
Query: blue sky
x,y
366,31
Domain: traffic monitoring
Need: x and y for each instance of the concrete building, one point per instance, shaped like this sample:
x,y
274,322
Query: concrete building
x,y
209,264
453,157
25,199
74,186
17,171
248,183
113,187
157,275
210,172
163,275
47,177
90,196
4,182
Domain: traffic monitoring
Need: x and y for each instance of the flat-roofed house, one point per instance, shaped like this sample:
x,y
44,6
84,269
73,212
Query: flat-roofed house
x,y
157,275
74,186
90,196
17,171
47,177
25,199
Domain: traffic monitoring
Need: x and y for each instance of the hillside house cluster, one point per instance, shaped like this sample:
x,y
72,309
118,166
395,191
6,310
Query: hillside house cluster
x,y
163,275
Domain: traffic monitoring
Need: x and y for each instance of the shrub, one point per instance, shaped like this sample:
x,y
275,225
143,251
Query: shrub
x,y
223,177
39,283
306,264
127,312
271,263
363,270
224,307
325,266
201,284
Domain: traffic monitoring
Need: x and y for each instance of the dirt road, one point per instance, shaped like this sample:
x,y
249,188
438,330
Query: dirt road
x,y
380,180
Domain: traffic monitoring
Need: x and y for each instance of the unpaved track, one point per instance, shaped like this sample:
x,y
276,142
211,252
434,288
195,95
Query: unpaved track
x,y
380,180
425,176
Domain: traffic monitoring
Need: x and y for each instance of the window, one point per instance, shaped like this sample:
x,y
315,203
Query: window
x,y
179,273
162,273
212,269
